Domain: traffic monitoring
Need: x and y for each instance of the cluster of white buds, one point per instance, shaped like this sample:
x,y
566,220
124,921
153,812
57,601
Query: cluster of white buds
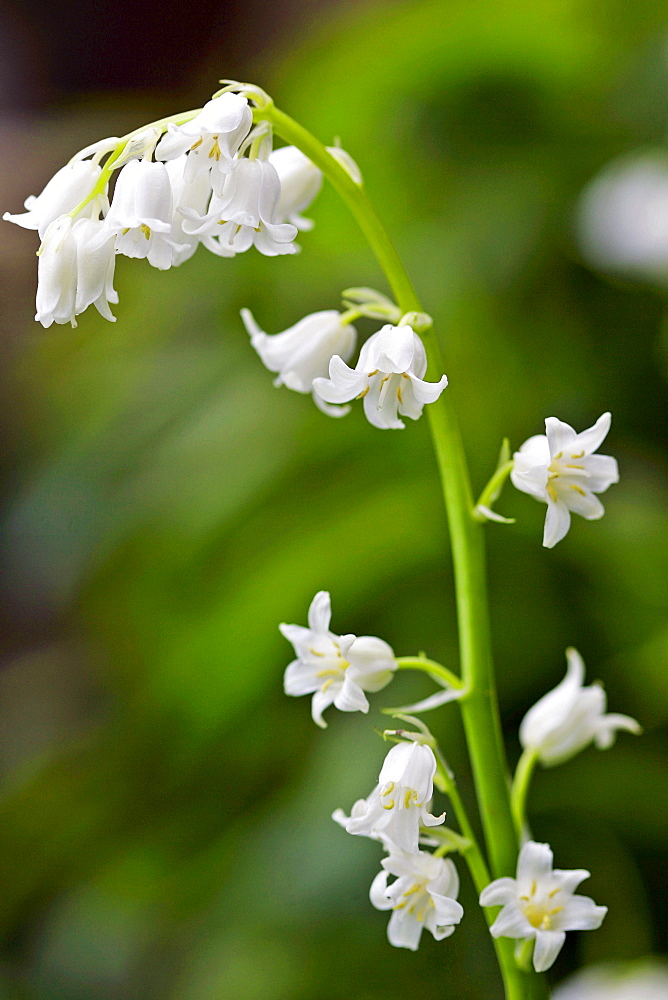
x,y
213,179
311,356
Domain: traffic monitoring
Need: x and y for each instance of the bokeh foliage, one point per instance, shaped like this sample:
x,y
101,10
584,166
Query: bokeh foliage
x,y
166,834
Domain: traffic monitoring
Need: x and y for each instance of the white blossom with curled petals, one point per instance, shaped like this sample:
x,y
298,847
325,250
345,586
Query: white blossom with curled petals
x,y
336,669
540,904
75,270
302,352
422,897
212,138
245,214
560,469
141,214
69,186
569,718
388,377
398,805
300,181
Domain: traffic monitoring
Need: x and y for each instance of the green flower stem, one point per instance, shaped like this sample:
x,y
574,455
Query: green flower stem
x,y
431,667
480,709
517,984
493,487
520,788
110,165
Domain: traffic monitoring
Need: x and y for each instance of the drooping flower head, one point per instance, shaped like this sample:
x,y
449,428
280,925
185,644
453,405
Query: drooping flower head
x,y
388,377
302,352
336,669
423,897
570,717
560,469
398,805
540,904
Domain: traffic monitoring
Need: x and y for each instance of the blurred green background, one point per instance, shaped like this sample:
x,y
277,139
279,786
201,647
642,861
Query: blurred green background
x,y
164,820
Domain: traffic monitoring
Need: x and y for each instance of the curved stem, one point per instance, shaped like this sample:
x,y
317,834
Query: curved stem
x,y
432,668
480,709
520,789
493,488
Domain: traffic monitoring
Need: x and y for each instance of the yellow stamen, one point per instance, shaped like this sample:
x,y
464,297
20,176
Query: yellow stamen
x,y
389,805
363,393
574,467
580,454
145,230
315,651
198,143
578,489
551,490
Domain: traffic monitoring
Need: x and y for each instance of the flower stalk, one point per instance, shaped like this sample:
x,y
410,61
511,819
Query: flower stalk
x,y
480,708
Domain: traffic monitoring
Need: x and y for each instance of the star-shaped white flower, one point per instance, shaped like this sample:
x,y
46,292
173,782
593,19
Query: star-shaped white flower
x,y
388,377
336,669
398,805
540,904
570,717
423,897
560,469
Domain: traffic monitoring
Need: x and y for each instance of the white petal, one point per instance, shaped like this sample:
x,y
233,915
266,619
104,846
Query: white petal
x,y
428,392
499,892
511,922
404,930
320,612
378,892
557,523
580,913
351,697
300,678
606,729
560,436
591,439
534,863
395,348
320,701
548,946
581,501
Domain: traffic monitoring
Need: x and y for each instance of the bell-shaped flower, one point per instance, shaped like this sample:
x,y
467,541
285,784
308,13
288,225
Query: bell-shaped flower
x,y
540,904
560,469
245,214
303,351
336,669
57,274
300,181
62,194
211,139
141,214
398,805
388,377
190,195
422,897
569,718
75,270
